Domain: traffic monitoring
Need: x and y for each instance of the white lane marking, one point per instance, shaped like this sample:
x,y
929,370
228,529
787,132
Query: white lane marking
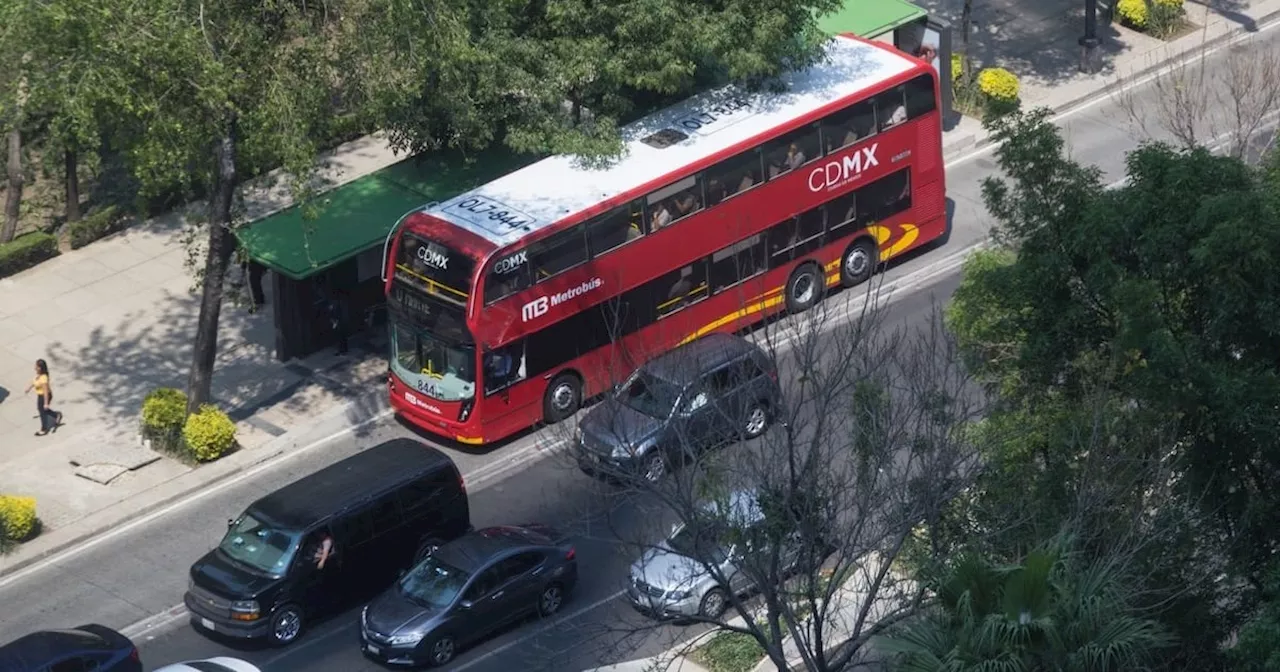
x,y
577,613
532,452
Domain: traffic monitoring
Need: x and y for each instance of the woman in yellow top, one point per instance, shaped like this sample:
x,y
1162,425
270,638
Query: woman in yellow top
x,y
49,418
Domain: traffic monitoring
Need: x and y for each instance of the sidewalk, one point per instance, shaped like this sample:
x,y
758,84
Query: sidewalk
x,y
115,319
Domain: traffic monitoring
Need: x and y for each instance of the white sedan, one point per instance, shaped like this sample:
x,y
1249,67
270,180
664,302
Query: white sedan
x,y
221,664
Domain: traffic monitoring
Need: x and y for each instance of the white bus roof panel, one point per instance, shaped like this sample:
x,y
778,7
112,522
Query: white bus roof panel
x,y
537,196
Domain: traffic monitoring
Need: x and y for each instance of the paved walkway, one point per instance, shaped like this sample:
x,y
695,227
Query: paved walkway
x,y
116,319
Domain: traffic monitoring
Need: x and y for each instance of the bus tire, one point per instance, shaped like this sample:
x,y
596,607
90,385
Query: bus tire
x,y
804,288
859,262
562,398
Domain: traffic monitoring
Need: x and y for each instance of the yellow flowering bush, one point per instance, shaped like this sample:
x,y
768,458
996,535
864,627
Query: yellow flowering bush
x,y
998,84
209,433
1137,14
957,67
164,410
17,517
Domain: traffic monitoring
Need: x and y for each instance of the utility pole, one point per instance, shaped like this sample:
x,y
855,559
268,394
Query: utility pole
x,y
1089,42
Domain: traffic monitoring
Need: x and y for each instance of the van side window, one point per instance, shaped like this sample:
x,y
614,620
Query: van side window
x,y
355,528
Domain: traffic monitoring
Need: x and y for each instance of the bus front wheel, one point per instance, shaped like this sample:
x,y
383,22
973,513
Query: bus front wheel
x,y
562,399
858,262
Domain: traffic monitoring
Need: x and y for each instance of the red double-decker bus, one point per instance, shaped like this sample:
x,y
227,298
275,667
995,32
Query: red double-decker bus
x,y
512,302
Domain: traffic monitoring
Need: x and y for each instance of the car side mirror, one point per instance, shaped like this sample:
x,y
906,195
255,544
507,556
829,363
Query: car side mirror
x,y
231,522
466,604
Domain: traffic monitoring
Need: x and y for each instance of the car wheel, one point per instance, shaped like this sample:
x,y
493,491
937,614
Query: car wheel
x,y
713,604
655,466
804,288
859,262
286,625
550,601
440,650
562,399
757,421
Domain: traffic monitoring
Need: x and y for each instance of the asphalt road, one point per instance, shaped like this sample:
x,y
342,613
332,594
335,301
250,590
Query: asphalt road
x,y
596,626
139,570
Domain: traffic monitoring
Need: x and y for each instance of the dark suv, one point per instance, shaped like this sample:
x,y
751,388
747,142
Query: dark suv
x,y
88,647
320,543
716,389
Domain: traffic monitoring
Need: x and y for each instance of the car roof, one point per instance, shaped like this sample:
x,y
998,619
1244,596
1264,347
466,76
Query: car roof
x,y
314,498
686,363
218,663
477,548
38,648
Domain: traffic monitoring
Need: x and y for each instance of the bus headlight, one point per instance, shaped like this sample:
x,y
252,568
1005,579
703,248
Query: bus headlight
x,y
465,412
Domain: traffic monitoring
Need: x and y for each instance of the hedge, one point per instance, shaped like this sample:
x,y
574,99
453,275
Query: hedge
x,y
209,433
17,517
93,226
26,251
164,411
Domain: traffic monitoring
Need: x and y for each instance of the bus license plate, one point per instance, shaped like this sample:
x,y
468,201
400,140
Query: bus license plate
x,y
374,650
208,624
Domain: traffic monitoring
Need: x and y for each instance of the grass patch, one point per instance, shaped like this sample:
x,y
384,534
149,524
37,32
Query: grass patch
x,y
729,652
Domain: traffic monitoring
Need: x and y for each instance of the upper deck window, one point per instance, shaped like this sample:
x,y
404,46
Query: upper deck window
x,y
433,268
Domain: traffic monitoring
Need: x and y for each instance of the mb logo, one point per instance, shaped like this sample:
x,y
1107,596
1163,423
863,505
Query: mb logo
x,y
535,308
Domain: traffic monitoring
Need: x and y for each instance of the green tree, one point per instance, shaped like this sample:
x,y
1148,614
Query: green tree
x,y
1050,611
1161,297
560,76
15,41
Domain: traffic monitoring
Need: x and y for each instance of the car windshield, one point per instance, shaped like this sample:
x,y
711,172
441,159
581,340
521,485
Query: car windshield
x,y
650,395
700,543
434,583
266,549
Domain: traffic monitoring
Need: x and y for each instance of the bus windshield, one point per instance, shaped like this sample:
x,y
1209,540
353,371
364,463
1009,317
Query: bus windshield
x,y
431,348
433,268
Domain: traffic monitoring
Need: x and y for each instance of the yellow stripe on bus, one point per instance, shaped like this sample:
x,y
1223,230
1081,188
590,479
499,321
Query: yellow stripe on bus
x,y
731,317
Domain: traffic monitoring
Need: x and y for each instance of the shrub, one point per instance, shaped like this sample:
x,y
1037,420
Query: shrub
x,y
999,89
93,226
26,251
957,67
17,517
164,411
209,433
1155,17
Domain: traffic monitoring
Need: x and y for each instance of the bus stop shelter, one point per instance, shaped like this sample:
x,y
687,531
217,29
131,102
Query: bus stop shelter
x,y
333,243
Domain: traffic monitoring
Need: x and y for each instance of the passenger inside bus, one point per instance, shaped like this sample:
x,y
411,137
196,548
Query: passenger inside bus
x,y
715,191
681,291
793,159
660,216
686,204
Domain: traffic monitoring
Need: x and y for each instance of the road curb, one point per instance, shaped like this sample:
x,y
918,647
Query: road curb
x,y
354,410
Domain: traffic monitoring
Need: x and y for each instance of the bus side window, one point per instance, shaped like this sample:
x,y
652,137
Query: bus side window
x,y
733,176
792,150
885,197
686,285
842,216
558,253
674,202
847,126
615,228
503,367
920,99
508,275
891,107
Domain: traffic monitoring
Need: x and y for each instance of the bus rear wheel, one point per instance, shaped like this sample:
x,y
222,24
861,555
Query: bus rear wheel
x,y
804,288
858,262
562,399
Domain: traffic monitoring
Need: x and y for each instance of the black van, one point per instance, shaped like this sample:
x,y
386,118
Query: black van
x,y
322,542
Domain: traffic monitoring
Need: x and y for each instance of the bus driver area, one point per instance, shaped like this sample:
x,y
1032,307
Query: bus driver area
x,y
514,301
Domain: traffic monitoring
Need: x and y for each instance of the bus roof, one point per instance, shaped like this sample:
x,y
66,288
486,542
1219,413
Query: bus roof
x,y
537,196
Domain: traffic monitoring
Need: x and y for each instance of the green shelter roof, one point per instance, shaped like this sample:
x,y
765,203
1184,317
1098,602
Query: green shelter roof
x,y
870,18
343,222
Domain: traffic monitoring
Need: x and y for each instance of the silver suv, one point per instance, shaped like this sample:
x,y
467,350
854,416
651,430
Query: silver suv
x,y
672,580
